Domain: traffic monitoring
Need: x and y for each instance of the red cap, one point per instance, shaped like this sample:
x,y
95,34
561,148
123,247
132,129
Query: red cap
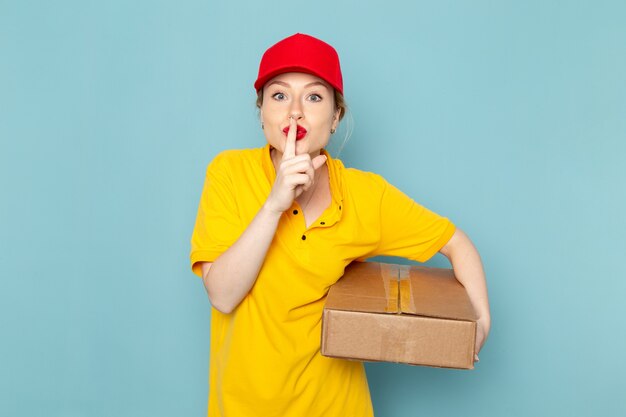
x,y
301,53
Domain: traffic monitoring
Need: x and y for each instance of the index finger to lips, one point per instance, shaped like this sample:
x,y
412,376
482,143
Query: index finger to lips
x,y
290,144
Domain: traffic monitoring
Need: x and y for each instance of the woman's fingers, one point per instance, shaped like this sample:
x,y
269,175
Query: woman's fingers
x,y
480,339
299,180
318,161
290,145
301,164
298,166
295,160
296,173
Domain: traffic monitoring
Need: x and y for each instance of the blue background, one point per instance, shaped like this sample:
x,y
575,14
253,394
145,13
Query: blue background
x,y
508,117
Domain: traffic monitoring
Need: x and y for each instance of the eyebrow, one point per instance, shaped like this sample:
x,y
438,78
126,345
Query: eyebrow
x,y
284,84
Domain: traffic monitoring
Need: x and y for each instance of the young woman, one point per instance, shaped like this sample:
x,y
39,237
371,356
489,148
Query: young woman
x,y
276,227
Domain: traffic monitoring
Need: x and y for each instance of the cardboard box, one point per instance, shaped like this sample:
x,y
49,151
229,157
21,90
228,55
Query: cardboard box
x,y
399,313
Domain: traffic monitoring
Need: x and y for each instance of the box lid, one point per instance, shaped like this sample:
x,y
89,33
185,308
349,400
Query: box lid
x,y
395,289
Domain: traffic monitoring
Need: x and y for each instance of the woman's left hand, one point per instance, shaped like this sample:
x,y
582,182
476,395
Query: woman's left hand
x,y
482,331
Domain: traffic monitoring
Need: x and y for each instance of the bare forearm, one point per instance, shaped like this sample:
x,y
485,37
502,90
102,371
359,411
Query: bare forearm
x,y
233,274
468,270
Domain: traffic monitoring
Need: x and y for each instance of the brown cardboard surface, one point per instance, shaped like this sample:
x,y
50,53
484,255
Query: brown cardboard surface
x,y
397,313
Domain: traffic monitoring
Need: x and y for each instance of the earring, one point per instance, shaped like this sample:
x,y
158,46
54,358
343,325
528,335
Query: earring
x,y
262,125
332,131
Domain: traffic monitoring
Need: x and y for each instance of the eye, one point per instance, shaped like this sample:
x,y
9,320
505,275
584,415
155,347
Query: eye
x,y
315,97
278,96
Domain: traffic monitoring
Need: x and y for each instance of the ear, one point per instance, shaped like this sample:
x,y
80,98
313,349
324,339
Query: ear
x,y
336,118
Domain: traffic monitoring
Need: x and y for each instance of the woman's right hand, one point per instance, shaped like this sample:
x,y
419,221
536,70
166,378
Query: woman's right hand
x,y
295,175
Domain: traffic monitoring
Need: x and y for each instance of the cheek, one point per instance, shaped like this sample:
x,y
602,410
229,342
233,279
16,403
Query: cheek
x,y
324,116
271,113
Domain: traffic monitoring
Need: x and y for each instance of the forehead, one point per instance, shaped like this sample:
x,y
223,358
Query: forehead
x,y
297,79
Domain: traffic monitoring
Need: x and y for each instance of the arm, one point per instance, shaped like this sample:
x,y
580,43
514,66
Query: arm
x,y
468,270
231,276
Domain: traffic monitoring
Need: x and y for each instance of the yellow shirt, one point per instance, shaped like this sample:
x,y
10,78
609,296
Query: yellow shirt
x,y
265,355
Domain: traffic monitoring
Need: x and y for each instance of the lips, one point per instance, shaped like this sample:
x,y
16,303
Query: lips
x,y
300,133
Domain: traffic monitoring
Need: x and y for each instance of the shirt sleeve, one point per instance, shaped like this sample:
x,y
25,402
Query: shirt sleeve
x,y
218,224
409,230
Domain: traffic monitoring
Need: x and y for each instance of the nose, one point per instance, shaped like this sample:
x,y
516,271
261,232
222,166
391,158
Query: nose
x,y
295,112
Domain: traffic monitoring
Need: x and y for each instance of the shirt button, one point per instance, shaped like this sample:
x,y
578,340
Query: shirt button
x,y
303,237
339,207
295,212
322,223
